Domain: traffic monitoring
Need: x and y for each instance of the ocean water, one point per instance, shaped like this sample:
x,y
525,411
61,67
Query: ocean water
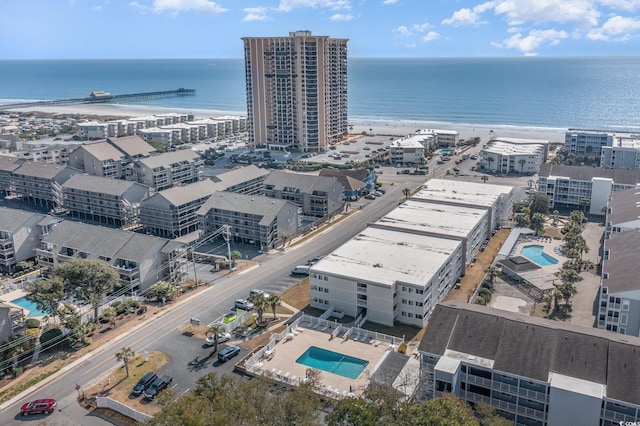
x,y
595,92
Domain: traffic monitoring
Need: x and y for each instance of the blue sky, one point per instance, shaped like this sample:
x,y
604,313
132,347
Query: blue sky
x,y
69,29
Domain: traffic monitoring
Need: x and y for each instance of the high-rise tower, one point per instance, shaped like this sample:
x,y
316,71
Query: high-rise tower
x,y
296,91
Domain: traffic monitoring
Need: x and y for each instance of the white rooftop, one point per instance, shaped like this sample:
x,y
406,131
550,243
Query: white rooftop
x,y
437,131
522,141
385,256
573,384
431,217
631,141
460,192
408,142
504,147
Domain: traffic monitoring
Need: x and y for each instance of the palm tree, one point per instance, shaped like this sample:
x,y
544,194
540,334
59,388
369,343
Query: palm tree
x,y
537,222
492,273
585,203
274,301
259,304
125,355
485,178
406,192
216,330
567,290
522,163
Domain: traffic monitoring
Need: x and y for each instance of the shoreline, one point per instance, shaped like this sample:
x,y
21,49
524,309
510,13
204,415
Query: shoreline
x,y
390,127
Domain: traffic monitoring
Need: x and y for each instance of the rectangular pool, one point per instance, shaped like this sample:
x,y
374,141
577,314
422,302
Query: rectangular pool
x,y
332,362
536,254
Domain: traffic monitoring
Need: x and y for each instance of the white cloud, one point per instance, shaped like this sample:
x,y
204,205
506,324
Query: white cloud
x,y
255,14
342,17
518,11
402,29
529,44
421,27
431,35
175,6
388,2
628,5
289,5
467,16
618,28
96,8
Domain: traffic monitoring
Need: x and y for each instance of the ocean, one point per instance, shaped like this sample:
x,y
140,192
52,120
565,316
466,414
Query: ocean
x,y
573,92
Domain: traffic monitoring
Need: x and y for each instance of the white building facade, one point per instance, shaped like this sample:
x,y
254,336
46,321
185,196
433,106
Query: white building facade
x,y
511,155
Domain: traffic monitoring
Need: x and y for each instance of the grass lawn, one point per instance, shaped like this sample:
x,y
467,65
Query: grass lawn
x,y
118,386
298,295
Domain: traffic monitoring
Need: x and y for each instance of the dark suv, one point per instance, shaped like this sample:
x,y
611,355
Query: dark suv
x,y
143,383
158,384
229,352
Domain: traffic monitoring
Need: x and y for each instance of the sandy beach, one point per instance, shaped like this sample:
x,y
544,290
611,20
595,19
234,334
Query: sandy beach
x,y
376,126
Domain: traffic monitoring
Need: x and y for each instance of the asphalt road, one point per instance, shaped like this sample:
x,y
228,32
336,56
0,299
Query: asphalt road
x,y
188,356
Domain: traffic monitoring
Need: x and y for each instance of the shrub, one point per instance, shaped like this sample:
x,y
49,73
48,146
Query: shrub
x,y
133,304
32,323
485,293
105,318
402,348
49,338
115,304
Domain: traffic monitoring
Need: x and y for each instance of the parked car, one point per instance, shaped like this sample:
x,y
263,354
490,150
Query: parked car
x,y
382,190
314,260
366,148
377,193
210,341
243,304
530,191
474,157
302,270
456,169
262,292
229,352
158,385
144,383
370,197
39,406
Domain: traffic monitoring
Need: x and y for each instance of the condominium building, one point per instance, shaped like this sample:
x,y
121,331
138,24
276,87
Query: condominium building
x,y
242,180
532,370
586,143
92,130
496,199
471,224
20,235
108,201
253,219
41,183
388,274
407,151
317,196
623,213
8,165
440,138
140,260
576,187
623,153
169,169
296,91
514,155
171,213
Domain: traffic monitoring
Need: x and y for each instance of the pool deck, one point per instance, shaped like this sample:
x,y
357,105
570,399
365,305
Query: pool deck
x,y
549,246
17,294
283,362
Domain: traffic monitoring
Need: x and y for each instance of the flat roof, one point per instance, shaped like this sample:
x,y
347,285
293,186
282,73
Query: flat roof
x,y
425,216
460,192
408,142
573,384
387,256
523,141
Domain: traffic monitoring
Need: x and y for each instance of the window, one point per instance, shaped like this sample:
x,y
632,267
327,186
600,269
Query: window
x,y
623,319
625,305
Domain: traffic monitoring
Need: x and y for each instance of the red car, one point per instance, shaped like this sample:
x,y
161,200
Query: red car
x,y
39,406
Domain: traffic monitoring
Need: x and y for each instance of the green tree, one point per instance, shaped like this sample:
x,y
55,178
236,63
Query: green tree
x,y
163,291
492,273
47,294
489,415
585,203
578,217
522,220
443,411
88,280
567,290
259,304
406,192
537,222
274,301
125,355
485,178
353,411
539,204
522,162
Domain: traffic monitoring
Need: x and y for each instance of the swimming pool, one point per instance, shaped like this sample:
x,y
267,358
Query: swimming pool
x,y
535,254
332,362
29,306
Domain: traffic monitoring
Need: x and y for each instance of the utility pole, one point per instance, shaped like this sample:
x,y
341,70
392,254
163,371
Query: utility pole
x,y
227,237
195,270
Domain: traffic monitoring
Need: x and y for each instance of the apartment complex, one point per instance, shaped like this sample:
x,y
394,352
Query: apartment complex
x,y
111,202
242,180
316,196
532,370
514,155
407,151
296,91
401,266
385,275
163,171
354,181
20,235
623,213
140,260
171,213
623,153
252,219
8,165
41,183
575,187
586,143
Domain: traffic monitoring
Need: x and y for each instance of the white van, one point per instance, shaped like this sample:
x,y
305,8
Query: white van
x,y
301,270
